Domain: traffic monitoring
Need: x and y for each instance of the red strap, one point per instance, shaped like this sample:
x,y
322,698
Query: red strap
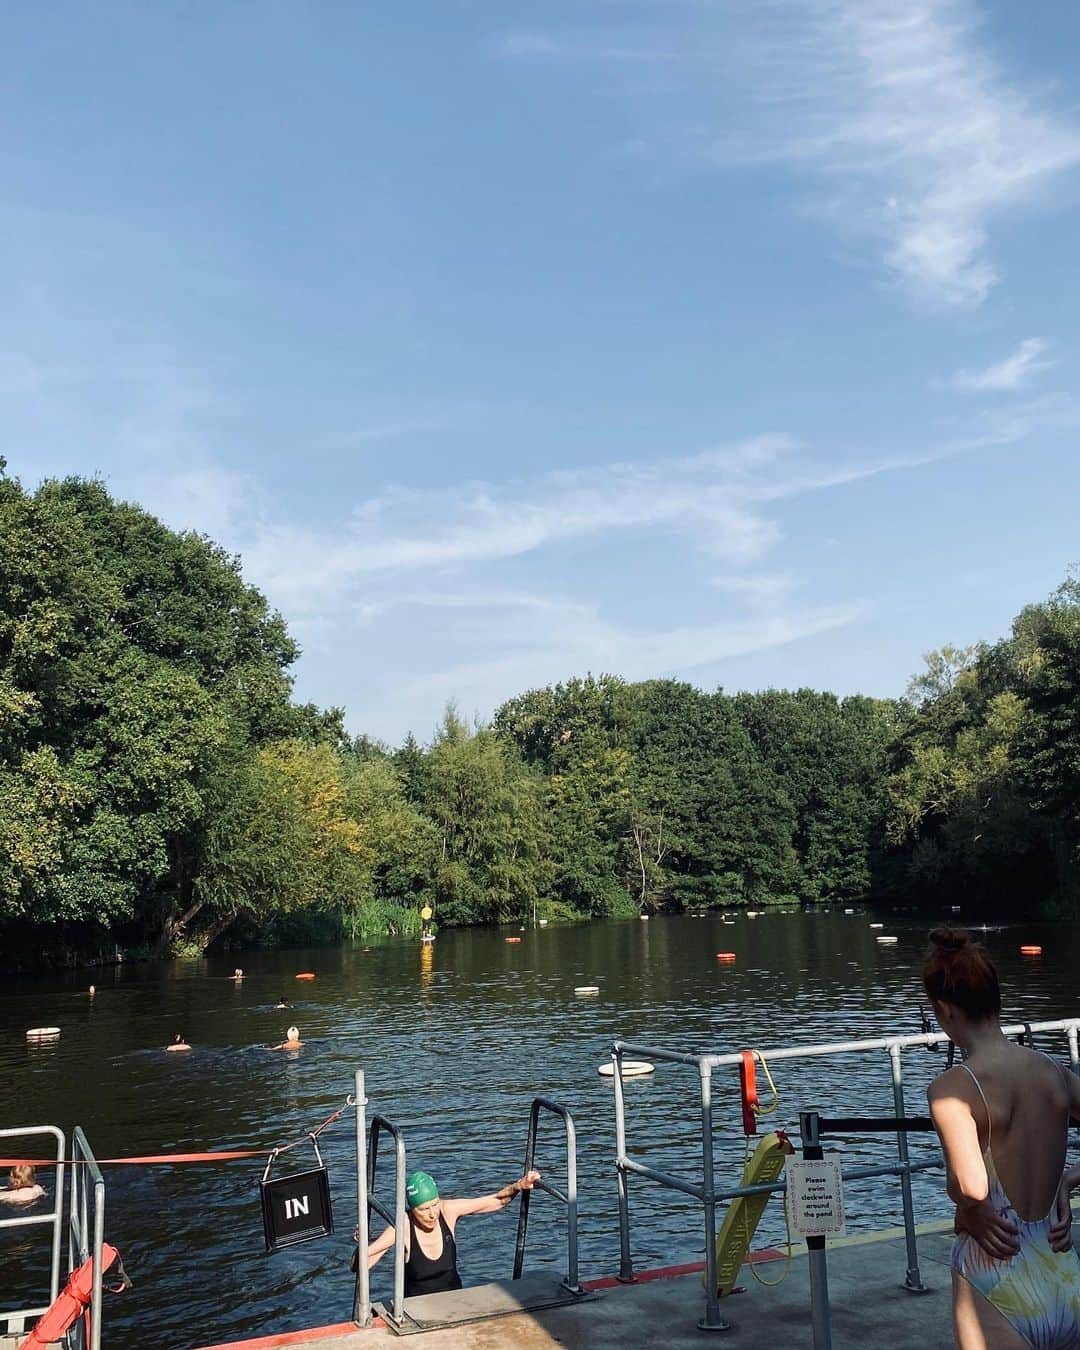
x,y
149,1158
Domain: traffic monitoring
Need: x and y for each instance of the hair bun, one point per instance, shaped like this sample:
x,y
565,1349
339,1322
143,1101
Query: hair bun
x,y
950,939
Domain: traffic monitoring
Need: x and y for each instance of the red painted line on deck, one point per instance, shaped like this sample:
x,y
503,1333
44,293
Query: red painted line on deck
x,y
286,1338
283,1338
673,1272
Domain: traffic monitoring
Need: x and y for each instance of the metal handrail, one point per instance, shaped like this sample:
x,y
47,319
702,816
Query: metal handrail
x,y
570,1281
367,1202
86,1178
706,1191
17,1318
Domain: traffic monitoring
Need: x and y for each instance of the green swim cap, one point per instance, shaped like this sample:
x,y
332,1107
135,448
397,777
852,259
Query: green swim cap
x,y
420,1189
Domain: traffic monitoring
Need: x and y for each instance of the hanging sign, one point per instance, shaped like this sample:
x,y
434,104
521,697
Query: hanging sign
x,y
296,1208
815,1197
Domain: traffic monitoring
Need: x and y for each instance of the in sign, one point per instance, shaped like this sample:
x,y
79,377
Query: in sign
x,y
296,1208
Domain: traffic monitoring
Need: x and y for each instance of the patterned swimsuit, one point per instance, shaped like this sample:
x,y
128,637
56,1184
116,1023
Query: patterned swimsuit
x,y
1037,1290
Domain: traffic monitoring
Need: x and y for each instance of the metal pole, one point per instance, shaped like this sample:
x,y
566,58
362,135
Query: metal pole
x,y
572,1282
712,1321
913,1279
99,1239
362,1292
815,1246
1074,1050
399,1227
626,1261
523,1211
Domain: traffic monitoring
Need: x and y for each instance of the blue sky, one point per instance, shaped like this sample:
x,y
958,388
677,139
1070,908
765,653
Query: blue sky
x,y
732,340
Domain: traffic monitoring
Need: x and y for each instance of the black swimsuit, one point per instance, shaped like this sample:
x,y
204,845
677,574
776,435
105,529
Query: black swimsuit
x,y
427,1275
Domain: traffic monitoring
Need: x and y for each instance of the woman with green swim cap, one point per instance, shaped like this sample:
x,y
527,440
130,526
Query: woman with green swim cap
x,y
430,1243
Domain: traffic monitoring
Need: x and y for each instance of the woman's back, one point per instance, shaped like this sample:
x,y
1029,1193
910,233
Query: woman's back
x,y
1028,1103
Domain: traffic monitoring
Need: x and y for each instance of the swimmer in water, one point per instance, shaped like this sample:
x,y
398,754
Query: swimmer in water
x,y
292,1040
282,1002
178,1044
22,1187
238,974
430,1239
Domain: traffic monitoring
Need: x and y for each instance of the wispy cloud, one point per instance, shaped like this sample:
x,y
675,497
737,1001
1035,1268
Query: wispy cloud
x,y
635,653
1014,372
760,588
893,113
926,134
722,503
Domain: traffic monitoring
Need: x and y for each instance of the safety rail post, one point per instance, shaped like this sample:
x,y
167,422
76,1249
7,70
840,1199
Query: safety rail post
x,y
913,1278
397,1219
626,1261
810,1133
55,1217
362,1292
84,1173
712,1321
570,1282
1074,1049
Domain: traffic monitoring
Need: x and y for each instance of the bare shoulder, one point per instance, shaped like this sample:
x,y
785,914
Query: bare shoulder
x,y
951,1083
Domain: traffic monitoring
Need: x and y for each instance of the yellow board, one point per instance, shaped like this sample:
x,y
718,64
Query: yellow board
x,y
744,1213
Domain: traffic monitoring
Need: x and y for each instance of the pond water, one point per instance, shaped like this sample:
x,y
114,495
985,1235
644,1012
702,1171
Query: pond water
x,y
455,1040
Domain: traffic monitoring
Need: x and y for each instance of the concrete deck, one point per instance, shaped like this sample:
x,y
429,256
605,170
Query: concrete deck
x,y
870,1310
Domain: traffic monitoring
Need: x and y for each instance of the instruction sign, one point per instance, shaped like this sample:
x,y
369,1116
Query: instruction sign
x,y
296,1209
815,1197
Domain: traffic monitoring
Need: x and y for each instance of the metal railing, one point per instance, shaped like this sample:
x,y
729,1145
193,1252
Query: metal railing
x,y
86,1233
539,1104
367,1152
16,1321
706,1191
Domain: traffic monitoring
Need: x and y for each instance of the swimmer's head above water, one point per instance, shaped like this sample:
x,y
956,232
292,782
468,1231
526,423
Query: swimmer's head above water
x,y
422,1198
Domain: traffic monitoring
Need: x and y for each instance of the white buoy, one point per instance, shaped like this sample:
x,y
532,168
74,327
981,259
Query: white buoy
x,y
587,989
644,918
43,1033
543,923
877,925
631,1068
886,939
849,911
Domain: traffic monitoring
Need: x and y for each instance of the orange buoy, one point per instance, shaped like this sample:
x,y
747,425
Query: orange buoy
x,y
513,939
725,956
306,975
1030,950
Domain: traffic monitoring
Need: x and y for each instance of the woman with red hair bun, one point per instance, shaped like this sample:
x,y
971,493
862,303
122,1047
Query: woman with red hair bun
x,y
1003,1117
